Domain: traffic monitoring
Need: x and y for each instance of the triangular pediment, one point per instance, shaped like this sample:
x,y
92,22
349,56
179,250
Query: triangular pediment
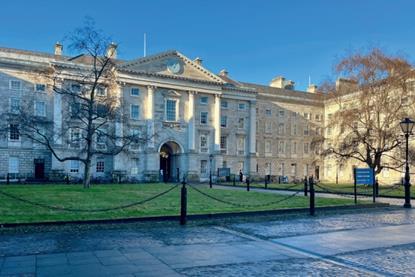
x,y
171,63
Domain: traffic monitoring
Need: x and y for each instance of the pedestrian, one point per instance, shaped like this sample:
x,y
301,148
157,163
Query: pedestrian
x,y
241,176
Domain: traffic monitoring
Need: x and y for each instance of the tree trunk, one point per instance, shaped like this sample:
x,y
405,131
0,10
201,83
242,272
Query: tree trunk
x,y
87,174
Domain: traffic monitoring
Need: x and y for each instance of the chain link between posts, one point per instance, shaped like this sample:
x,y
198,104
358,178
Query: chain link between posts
x,y
243,205
87,210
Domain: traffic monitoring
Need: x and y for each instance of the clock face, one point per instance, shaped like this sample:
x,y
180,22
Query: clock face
x,y
173,66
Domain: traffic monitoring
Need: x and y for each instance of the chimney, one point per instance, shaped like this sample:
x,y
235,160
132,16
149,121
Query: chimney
x,y
223,73
345,84
280,82
58,49
198,61
112,51
312,88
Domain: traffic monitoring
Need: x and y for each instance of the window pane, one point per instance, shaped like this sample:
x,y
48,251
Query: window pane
x,y
203,117
40,87
14,132
171,110
135,111
135,91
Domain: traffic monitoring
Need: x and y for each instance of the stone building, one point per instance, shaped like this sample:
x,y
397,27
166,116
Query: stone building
x,y
198,121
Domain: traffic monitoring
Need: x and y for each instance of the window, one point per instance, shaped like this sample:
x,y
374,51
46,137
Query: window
x,y
75,88
171,110
135,112
268,149
135,91
204,118
306,131
241,123
282,113
74,166
204,100
241,146
75,109
102,110
281,147
268,112
305,173
40,108
282,169
329,116
100,166
281,127
40,87
75,138
223,121
306,115
203,166
223,144
294,130
14,105
101,140
14,133
135,139
268,127
15,85
224,104
294,147
241,106
204,144
101,91
13,165
306,147
318,117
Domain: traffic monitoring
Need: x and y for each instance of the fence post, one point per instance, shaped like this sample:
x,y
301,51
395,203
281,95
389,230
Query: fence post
x,y
247,183
312,195
305,186
266,181
183,203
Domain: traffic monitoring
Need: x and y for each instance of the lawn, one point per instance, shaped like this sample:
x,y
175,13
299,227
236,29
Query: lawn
x,y
342,188
107,196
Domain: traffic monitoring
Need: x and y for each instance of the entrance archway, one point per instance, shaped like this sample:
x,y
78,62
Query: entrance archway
x,y
169,161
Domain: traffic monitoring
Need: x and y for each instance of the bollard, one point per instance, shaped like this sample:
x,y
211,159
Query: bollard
x,y
312,196
247,183
183,203
305,186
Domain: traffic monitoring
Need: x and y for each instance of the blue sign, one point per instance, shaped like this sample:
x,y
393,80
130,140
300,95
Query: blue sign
x,y
364,176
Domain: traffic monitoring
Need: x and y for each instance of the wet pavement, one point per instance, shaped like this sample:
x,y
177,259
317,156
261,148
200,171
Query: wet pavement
x,y
370,242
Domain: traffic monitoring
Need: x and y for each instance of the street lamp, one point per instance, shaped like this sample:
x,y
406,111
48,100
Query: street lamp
x,y
407,125
210,170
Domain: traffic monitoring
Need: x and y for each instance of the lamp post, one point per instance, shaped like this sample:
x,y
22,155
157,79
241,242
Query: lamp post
x,y
210,170
407,125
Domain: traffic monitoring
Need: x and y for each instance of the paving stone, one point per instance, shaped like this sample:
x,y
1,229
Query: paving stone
x,y
114,260
53,270
51,259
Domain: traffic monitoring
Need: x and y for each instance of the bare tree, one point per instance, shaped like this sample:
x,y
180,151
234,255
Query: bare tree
x,y
91,104
370,99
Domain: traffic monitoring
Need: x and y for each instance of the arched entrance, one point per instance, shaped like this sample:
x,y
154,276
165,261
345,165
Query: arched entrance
x,y
169,161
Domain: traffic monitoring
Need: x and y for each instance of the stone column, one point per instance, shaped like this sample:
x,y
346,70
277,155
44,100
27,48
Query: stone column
x,y
191,121
216,122
149,116
252,139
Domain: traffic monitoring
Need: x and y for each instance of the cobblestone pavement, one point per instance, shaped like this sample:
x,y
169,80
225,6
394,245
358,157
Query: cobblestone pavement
x,y
372,242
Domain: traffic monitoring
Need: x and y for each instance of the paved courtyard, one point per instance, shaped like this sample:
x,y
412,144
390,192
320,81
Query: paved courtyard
x,y
372,242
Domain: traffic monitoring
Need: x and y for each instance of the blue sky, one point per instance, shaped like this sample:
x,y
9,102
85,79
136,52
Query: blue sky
x,y
254,40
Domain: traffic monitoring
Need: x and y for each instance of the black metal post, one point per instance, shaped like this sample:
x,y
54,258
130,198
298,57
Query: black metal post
x,y
305,186
247,183
355,186
266,181
210,179
377,187
183,203
373,187
234,179
312,196
8,178
407,177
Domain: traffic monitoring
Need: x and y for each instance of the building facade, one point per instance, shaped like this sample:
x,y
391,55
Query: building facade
x,y
196,121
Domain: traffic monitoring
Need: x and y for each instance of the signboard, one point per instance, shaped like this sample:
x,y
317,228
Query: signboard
x,y
224,172
364,176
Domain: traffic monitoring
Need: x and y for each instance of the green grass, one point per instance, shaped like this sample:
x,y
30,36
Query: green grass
x,y
346,188
105,196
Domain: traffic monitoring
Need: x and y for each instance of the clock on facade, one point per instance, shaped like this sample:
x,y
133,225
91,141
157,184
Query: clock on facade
x,y
173,66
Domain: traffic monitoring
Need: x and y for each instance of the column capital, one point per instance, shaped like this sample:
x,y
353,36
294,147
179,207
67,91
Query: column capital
x,y
193,92
151,87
